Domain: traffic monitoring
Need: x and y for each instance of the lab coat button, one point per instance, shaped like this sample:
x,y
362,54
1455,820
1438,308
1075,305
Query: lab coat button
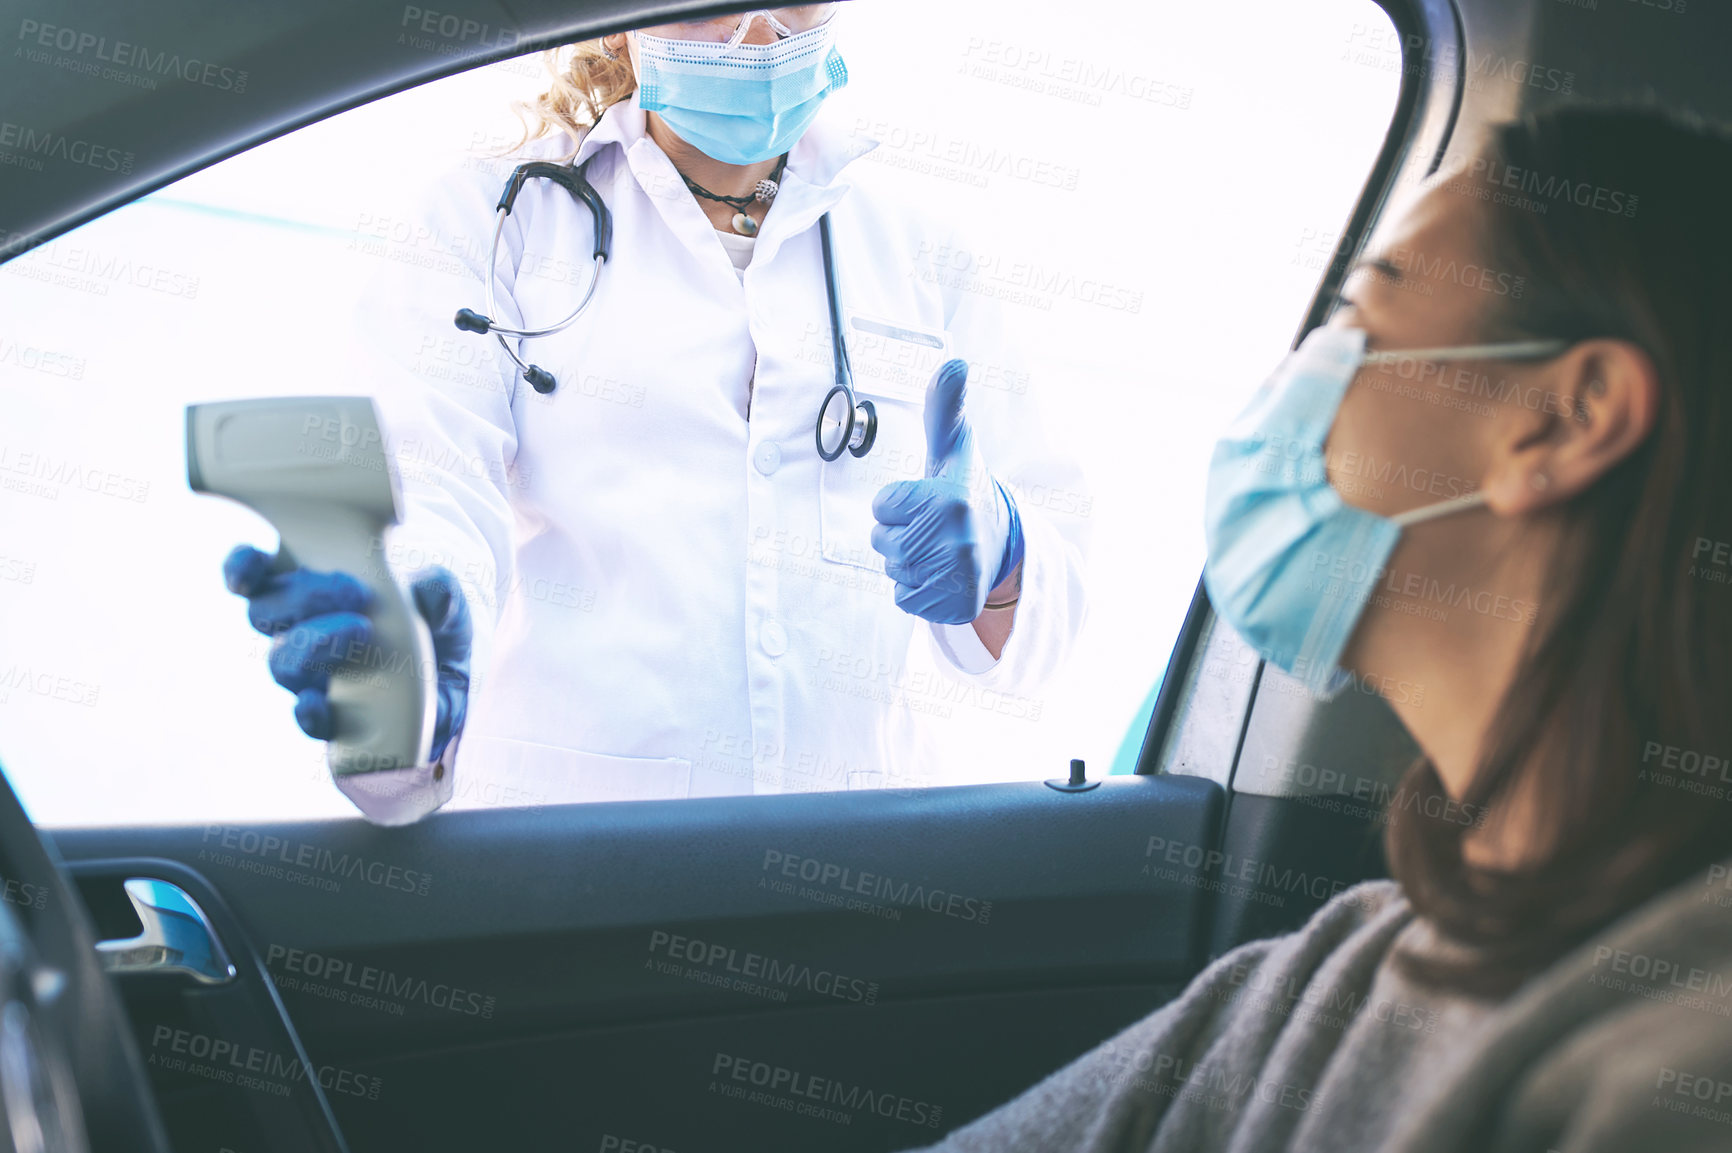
x,y
774,638
768,458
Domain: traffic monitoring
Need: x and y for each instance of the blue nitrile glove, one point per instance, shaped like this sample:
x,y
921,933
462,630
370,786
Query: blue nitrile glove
x,y
950,539
317,617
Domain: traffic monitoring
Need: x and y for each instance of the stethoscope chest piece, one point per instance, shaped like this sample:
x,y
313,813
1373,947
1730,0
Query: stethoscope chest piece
x,y
845,423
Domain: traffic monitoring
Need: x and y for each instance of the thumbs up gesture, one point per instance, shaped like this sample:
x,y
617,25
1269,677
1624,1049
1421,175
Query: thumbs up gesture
x,y
949,539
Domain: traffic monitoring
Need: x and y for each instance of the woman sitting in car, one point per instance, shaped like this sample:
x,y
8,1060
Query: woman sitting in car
x,y
1558,974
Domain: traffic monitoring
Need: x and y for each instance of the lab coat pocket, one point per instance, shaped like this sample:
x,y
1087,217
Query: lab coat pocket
x,y
892,364
494,771
848,484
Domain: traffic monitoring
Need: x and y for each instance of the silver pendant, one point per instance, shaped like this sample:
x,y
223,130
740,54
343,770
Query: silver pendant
x,y
766,190
745,225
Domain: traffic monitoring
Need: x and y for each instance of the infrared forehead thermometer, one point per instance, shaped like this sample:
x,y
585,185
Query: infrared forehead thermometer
x,y
316,468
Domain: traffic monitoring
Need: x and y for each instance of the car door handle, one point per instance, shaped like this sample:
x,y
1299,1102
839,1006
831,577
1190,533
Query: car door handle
x,y
177,936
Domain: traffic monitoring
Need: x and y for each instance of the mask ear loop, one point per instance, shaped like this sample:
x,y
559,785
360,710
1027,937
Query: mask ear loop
x,y
1460,503
1507,350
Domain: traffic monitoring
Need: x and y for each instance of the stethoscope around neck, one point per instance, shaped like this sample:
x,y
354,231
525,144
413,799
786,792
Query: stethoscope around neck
x,y
845,422
576,182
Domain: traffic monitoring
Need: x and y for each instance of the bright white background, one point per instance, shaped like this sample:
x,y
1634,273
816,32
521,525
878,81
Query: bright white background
x,y
132,689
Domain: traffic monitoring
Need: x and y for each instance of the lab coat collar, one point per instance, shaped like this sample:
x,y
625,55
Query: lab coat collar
x,y
817,158
820,155
812,183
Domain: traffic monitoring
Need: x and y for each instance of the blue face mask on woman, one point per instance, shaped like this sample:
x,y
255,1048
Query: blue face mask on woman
x,y
1291,565
741,104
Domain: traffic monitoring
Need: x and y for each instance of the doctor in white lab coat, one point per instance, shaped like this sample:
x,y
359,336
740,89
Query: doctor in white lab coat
x,y
671,594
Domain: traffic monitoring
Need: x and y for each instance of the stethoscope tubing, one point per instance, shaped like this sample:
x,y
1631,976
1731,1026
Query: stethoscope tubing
x,y
861,425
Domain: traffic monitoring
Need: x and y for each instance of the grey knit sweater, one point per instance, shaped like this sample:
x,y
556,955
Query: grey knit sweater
x,y
1313,1042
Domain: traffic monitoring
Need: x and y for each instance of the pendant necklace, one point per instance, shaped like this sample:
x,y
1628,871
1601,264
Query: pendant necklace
x,y
764,194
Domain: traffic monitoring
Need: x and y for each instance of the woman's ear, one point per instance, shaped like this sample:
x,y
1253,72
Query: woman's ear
x,y
1602,398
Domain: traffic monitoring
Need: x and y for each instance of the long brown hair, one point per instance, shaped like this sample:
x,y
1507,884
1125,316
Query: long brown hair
x,y
1622,229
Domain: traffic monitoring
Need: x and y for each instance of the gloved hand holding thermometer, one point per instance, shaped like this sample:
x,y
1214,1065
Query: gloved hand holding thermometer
x,y
318,622
951,538
382,677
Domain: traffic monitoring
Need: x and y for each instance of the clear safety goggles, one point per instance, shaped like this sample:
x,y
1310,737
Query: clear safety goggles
x,y
733,29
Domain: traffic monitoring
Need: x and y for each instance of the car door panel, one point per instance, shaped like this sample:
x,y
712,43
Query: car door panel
x,y
955,942
753,1081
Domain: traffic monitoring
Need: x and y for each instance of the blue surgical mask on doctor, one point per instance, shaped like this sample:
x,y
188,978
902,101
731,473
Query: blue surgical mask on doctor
x,y
742,103
1291,565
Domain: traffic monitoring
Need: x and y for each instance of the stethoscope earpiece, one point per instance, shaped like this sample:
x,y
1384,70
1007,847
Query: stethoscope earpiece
x,y
471,321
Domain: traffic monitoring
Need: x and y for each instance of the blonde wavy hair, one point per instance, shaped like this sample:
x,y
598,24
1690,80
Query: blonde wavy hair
x,y
586,80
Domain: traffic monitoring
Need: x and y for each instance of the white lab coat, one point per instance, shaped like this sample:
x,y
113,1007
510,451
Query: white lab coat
x,y
673,595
